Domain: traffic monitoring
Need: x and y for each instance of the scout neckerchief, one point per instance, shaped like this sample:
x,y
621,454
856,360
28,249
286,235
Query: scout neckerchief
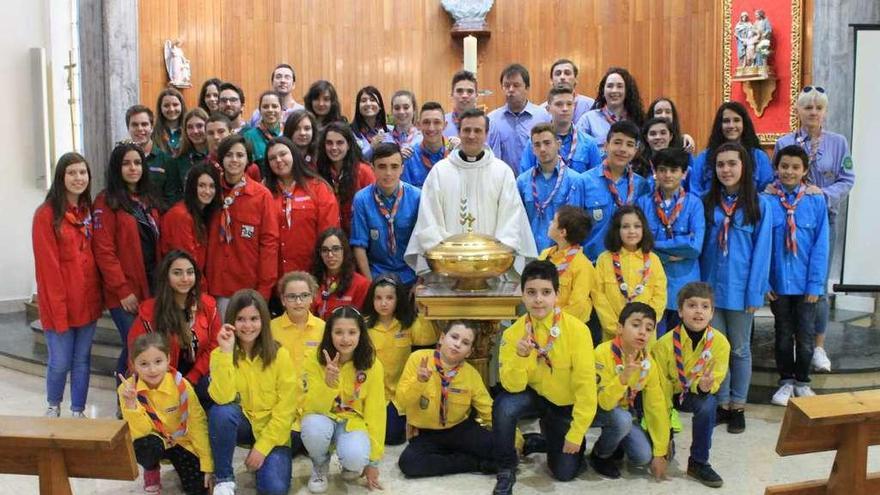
x,y
425,155
544,352
287,194
368,133
612,186
83,223
331,284
574,143
728,211
569,256
267,133
541,206
456,119
142,214
228,201
609,117
182,410
621,284
446,377
676,210
631,393
813,149
340,406
403,139
791,234
389,215
336,178
685,380
172,137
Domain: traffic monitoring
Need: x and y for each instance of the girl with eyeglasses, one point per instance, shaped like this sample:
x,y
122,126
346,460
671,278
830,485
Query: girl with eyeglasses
x,y
830,174
300,332
339,283
395,328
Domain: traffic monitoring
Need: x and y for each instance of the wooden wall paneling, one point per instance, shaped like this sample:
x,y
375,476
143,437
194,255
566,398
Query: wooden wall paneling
x,y
670,46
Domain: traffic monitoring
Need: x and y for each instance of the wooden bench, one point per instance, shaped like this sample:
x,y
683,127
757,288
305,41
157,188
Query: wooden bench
x,y
58,448
847,423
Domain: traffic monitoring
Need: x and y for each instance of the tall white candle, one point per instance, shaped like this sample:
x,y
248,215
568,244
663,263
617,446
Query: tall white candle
x,y
470,53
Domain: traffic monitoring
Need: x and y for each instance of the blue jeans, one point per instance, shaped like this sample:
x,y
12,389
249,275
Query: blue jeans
x,y
554,421
228,426
619,430
703,407
123,321
319,432
737,327
69,352
395,426
823,310
463,448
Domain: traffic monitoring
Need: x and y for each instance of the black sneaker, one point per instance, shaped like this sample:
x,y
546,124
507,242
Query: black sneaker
x,y
722,416
704,474
534,442
606,467
504,481
737,423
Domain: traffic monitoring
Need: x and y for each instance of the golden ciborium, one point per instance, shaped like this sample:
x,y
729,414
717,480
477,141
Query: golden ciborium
x,y
470,258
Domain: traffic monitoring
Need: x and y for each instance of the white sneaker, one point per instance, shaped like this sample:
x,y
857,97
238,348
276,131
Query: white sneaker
x,y
53,412
803,391
350,475
78,414
780,398
224,488
318,480
820,360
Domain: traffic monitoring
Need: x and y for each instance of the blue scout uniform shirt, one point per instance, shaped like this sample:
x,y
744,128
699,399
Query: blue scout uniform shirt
x,y
599,205
685,242
833,169
509,133
568,193
369,229
700,177
586,154
414,169
596,125
582,105
806,271
451,129
364,143
741,278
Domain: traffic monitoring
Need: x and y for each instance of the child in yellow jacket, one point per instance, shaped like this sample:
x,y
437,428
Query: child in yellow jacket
x,y
630,389
254,388
165,418
546,369
300,332
628,270
577,277
693,359
345,403
438,392
395,328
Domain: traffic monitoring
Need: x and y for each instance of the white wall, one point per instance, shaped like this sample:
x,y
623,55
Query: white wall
x,y
36,23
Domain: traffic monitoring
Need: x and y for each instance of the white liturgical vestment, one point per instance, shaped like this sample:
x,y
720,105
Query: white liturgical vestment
x,y
489,187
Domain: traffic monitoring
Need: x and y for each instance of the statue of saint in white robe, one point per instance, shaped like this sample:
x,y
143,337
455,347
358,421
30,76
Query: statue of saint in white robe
x,y
493,200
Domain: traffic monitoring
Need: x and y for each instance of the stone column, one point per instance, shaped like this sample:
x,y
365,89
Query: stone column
x,y
108,31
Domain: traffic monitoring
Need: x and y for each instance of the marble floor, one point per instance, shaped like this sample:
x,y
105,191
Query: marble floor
x,y
747,462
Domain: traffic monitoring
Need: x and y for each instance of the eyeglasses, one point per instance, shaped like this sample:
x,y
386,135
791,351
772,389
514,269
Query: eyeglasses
x,y
229,99
302,296
331,249
810,89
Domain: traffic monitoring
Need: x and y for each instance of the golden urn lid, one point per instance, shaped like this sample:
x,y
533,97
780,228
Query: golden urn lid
x,y
469,245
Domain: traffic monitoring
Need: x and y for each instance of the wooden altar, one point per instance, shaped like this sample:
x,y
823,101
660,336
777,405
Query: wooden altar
x,y
439,303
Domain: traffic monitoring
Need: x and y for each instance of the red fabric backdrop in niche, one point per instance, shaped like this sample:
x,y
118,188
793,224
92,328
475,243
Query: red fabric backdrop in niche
x,y
785,18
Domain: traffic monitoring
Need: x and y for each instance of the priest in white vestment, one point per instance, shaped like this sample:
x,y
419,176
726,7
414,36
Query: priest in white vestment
x,y
471,177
